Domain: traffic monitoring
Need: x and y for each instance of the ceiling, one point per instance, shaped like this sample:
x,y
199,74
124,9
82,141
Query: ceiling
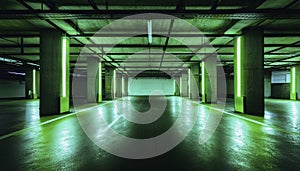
x,y
219,20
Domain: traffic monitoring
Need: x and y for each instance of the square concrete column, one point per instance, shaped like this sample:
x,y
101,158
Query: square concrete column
x,y
32,83
194,81
54,63
295,83
109,83
209,75
249,73
94,80
125,86
118,84
177,86
184,85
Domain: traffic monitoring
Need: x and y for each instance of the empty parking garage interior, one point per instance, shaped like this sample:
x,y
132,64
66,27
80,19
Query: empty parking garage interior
x,y
149,85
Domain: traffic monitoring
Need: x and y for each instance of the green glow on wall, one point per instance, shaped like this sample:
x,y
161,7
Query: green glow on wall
x,y
100,79
293,79
64,66
203,79
34,81
238,63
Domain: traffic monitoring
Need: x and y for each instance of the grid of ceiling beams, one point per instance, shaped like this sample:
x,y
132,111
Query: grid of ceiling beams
x,y
219,20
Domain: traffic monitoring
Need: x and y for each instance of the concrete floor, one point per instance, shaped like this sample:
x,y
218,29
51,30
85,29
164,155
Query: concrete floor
x,y
245,142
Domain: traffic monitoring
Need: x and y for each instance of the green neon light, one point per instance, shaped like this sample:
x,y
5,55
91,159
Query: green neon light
x,y
294,80
203,79
174,86
64,66
114,84
189,82
180,88
100,79
238,63
34,81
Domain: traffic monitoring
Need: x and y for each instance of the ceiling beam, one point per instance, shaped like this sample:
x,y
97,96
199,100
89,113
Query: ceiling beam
x,y
250,14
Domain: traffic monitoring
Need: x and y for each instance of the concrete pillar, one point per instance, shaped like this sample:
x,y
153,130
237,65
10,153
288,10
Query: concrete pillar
x,y
125,86
54,63
94,81
248,73
194,81
109,87
184,85
295,83
209,75
267,84
177,86
118,84
32,78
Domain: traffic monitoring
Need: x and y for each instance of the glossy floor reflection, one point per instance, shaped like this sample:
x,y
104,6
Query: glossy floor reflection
x,y
239,142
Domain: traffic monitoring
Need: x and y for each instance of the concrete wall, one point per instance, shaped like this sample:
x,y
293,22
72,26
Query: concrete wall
x,y
12,89
280,91
230,87
144,86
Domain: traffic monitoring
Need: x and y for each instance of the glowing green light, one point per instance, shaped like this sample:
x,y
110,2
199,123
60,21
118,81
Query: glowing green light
x,y
34,81
174,86
203,79
64,66
114,95
293,80
100,79
189,82
238,63
180,88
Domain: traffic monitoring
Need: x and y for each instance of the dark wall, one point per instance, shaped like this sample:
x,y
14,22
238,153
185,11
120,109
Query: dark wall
x,y
12,88
280,91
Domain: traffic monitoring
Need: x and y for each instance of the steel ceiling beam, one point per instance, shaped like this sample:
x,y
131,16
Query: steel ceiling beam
x,y
115,14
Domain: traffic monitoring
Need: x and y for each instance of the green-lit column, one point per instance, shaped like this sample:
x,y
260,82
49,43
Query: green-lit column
x,y
32,83
54,63
118,84
194,81
177,86
209,80
295,83
184,85
109,83
248,72
125,86
94,84
99,83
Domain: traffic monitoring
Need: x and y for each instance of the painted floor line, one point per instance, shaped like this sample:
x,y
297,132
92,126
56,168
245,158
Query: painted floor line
x,y
253,121
50,121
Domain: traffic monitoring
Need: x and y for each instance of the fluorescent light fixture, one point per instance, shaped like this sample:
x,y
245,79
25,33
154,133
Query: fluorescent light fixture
x,y
238,63
64,66
34,81
180,85
203,79
33,64
16,73
293,79
100,79
114,95
189,81
174,86
149,24
123,87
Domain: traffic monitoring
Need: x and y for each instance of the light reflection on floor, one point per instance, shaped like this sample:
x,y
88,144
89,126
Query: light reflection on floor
x,y
237,143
